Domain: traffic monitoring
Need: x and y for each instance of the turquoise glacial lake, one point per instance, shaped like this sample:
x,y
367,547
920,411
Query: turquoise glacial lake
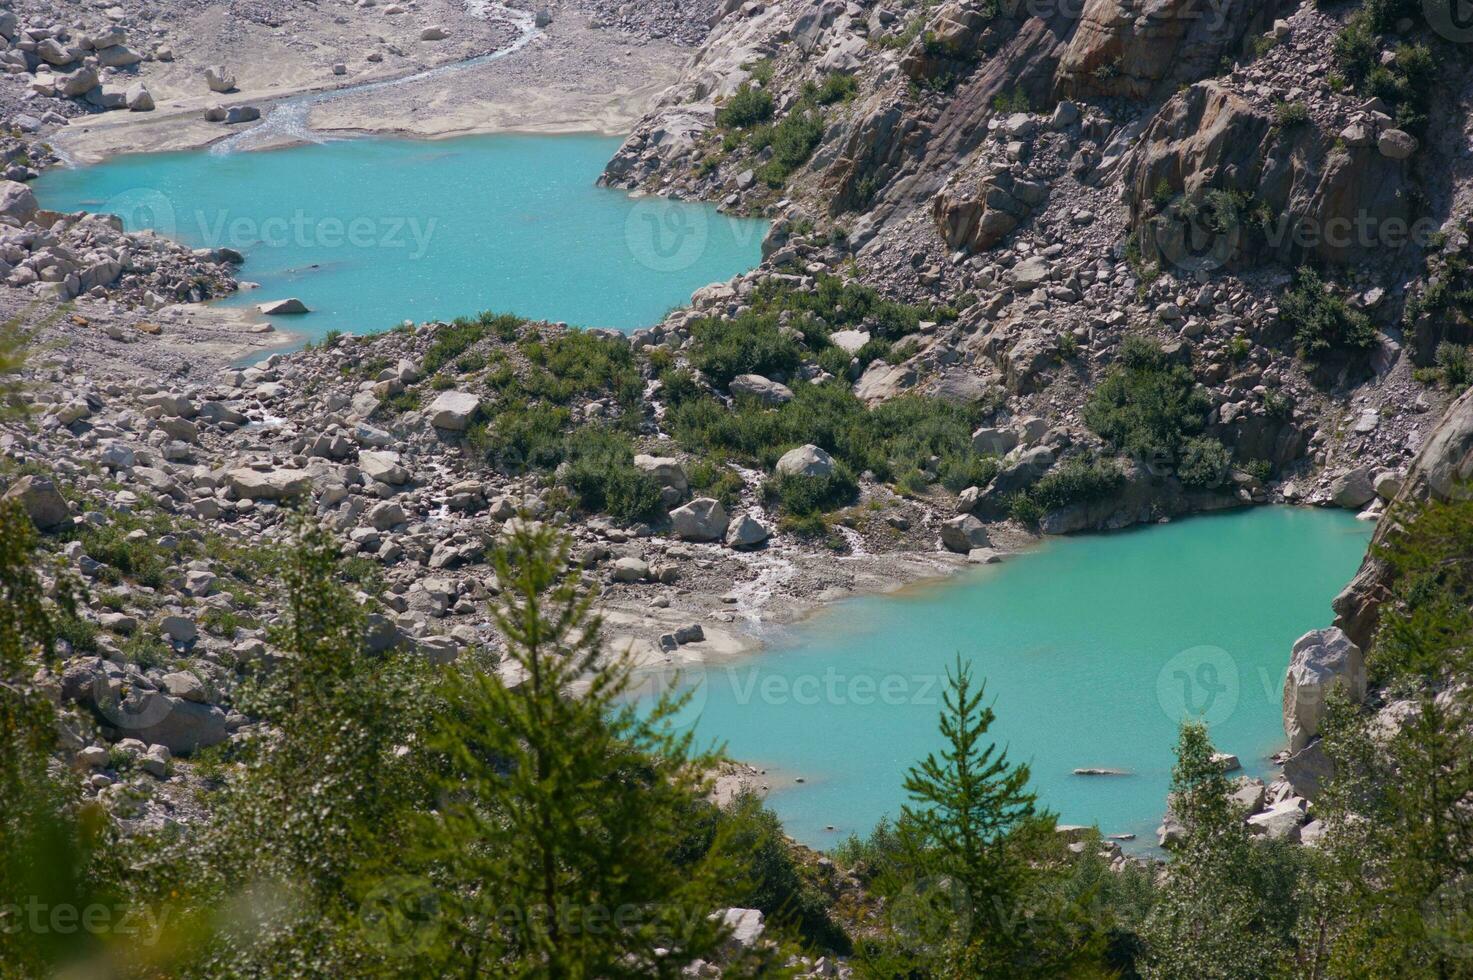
x,y
1094,649
371,232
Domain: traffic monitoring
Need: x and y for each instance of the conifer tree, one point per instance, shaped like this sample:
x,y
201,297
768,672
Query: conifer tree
x,y
561,807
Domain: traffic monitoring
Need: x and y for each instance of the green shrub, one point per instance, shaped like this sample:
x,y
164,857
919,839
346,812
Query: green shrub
x,y
1290,114
746,107
141,561
1147,405
750,344
1204,463
793,142
1455,364
1323,322
804,496
599,469
710,479
572,364
521,437
1076,481
459,336
836,88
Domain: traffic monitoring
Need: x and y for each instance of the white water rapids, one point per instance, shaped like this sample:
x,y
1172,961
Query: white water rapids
x,y
288,119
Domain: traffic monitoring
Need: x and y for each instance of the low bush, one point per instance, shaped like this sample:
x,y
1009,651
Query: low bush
x,y
793,141
1204,463
459,336
598,468
1322,321
805,496
1076,481
746,107
1147,406
750,344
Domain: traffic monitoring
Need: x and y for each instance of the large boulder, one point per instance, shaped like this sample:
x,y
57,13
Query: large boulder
x,y
1137,48
180,725
42,502
666,471
218,79
17,201
963,534
276,484
77,83
383,466
118,56
1322,660
454,410
703,519
1308,770
807,460
1353,490
994,442
746,533
765,390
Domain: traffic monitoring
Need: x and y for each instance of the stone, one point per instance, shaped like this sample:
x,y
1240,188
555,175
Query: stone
x,y
1031,273
745,927
278,484
766,391
434,33
1387,484
1308,770
849,341
200,583
17,201
1396,144
183,684
1280,821
1248,795
964,534
983,556
179,629
807,460
703,519
178,725
1353,490
241,113
631,570
745,533
118,56
667,471
994,442
218,79
283,307
138,98
384,515
79,82
1321,661
454,410
383,466
41,500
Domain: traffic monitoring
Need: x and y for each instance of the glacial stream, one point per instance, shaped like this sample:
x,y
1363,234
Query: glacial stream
x,y
1093,648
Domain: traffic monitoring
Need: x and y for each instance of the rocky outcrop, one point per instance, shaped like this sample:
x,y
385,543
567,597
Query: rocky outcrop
x,y
1321,661
1440,472
976,216
1216,182
1140,48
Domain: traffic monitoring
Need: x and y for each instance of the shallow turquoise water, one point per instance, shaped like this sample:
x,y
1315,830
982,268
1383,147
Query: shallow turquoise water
x,y
371,232
1093,648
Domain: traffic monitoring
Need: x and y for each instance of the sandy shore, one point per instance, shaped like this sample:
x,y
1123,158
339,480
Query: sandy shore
x,y
569,78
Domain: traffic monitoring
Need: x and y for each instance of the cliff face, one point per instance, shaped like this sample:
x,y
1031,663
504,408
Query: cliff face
x,y
1440,472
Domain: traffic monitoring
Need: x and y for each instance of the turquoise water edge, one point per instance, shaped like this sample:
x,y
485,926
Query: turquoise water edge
x,y
1093,648
371,232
